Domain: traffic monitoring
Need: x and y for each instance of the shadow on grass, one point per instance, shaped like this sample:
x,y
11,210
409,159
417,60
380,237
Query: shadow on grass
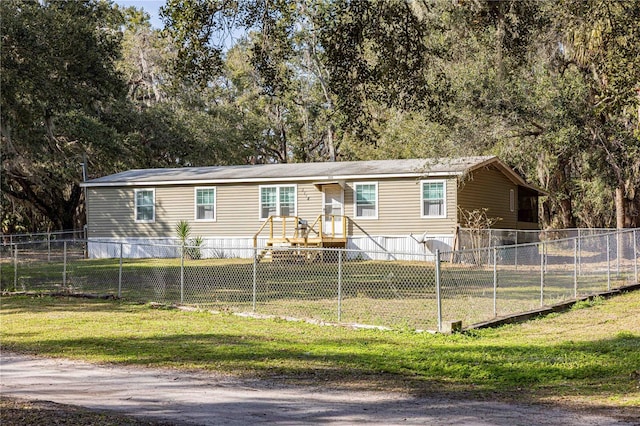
x,y
46,303
380,363
477,364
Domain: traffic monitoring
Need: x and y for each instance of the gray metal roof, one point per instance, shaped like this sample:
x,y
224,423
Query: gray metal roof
x,y
297,171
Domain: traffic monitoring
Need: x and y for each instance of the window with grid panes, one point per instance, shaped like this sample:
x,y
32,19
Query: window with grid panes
x,y
205,203
366,200
145,205
277,200
434,199
287,200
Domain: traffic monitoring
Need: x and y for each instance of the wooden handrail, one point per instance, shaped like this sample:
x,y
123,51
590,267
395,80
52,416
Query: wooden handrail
x,y
312,227
284,220
319,221
255,237
344,225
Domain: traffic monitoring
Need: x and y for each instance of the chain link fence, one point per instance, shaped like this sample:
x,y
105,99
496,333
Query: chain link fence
x,y
10,239
503,280
334,285
470,238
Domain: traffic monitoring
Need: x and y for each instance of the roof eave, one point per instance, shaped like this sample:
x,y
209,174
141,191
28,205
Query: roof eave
x,y
313,179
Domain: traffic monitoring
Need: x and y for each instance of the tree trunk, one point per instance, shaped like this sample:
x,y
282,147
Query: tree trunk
x,y
634,211
331,143
500,36
567,213
546,213
623,220
283,144
620,207
74,208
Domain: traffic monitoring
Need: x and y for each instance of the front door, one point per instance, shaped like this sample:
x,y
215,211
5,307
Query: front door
x,y
333,210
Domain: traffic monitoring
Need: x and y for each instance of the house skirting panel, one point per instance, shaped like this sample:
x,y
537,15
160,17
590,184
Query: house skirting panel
x,y
398,247
139,248
359,247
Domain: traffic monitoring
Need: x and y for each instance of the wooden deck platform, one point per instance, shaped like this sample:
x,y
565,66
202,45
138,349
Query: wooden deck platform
x,y
292,235
332,242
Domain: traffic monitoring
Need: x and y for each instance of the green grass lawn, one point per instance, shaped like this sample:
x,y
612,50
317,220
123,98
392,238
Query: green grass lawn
x,y
589,355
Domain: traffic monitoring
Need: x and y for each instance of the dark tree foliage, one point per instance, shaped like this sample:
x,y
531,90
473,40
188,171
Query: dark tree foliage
x,y
551,87
195,25
375,53
58,81
378,52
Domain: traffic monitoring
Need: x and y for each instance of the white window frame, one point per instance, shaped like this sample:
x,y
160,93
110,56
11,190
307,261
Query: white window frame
x,y
355,200
444,192
278,187
135,205
195,203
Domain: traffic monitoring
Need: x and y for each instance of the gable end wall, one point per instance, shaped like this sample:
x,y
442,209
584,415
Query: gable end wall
x,y
489,188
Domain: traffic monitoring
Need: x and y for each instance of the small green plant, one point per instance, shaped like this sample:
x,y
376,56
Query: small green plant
x,y
183,231
598,300
191,247
194,250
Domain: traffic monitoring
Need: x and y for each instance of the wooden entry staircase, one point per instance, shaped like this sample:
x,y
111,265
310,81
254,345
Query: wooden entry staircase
x,y
294,232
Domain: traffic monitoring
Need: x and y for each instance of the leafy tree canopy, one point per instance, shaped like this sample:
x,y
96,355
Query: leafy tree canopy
x,y
551,87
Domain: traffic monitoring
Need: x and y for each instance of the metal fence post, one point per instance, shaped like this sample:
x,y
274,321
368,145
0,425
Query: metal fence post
x,y
608,264
48,247
438,288
120,274
635,256
516,254
64,264
618,251
575,268
490,245
255,279
15,266
495,282
579,253
542,249
182,274
340,253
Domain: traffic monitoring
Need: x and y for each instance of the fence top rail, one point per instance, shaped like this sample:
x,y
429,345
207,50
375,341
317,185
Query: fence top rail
x,y
40,242
82,241
81,231
43,234
538,243
533,231
378,253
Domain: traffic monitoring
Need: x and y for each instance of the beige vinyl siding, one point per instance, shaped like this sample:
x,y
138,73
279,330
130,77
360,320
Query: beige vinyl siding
x,y
489,188
111,212
237,210
400,209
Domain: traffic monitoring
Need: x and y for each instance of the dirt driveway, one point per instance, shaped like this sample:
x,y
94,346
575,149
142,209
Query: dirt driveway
x,y
206,399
